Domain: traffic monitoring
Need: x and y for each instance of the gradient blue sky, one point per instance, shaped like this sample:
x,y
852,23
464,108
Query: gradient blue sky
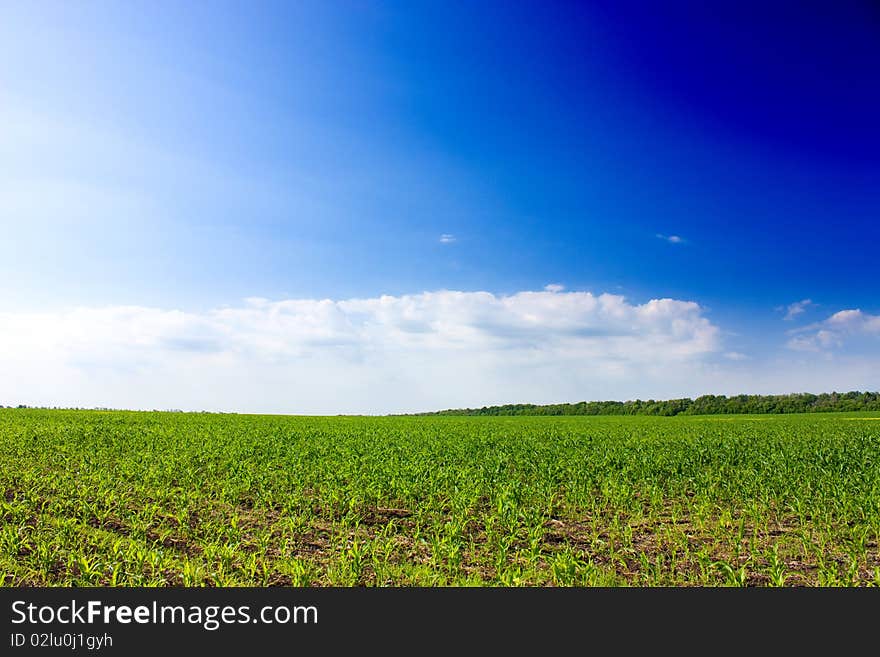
x,y
181,159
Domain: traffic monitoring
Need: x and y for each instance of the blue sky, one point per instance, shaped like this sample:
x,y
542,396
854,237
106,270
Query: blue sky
x,y
177,175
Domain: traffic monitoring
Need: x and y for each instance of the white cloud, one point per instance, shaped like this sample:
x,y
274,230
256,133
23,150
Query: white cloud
x,y
735,355
383,354
783,374
447,238
672,239
554,287
834,332
797,308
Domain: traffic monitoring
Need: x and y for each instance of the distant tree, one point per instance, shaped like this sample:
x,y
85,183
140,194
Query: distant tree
x,y
703,405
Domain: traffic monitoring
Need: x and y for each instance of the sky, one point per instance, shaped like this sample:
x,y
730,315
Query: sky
x,y
382,207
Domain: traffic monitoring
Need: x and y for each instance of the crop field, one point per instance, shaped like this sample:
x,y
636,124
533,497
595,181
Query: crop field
x,y
156,499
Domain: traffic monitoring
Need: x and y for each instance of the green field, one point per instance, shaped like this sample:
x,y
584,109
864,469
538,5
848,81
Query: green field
x,y
155,499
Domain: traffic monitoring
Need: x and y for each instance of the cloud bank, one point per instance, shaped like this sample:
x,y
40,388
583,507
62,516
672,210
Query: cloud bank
x,y
374,355
845,326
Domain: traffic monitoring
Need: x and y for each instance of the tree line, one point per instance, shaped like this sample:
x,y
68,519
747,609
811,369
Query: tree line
x,y
805,402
